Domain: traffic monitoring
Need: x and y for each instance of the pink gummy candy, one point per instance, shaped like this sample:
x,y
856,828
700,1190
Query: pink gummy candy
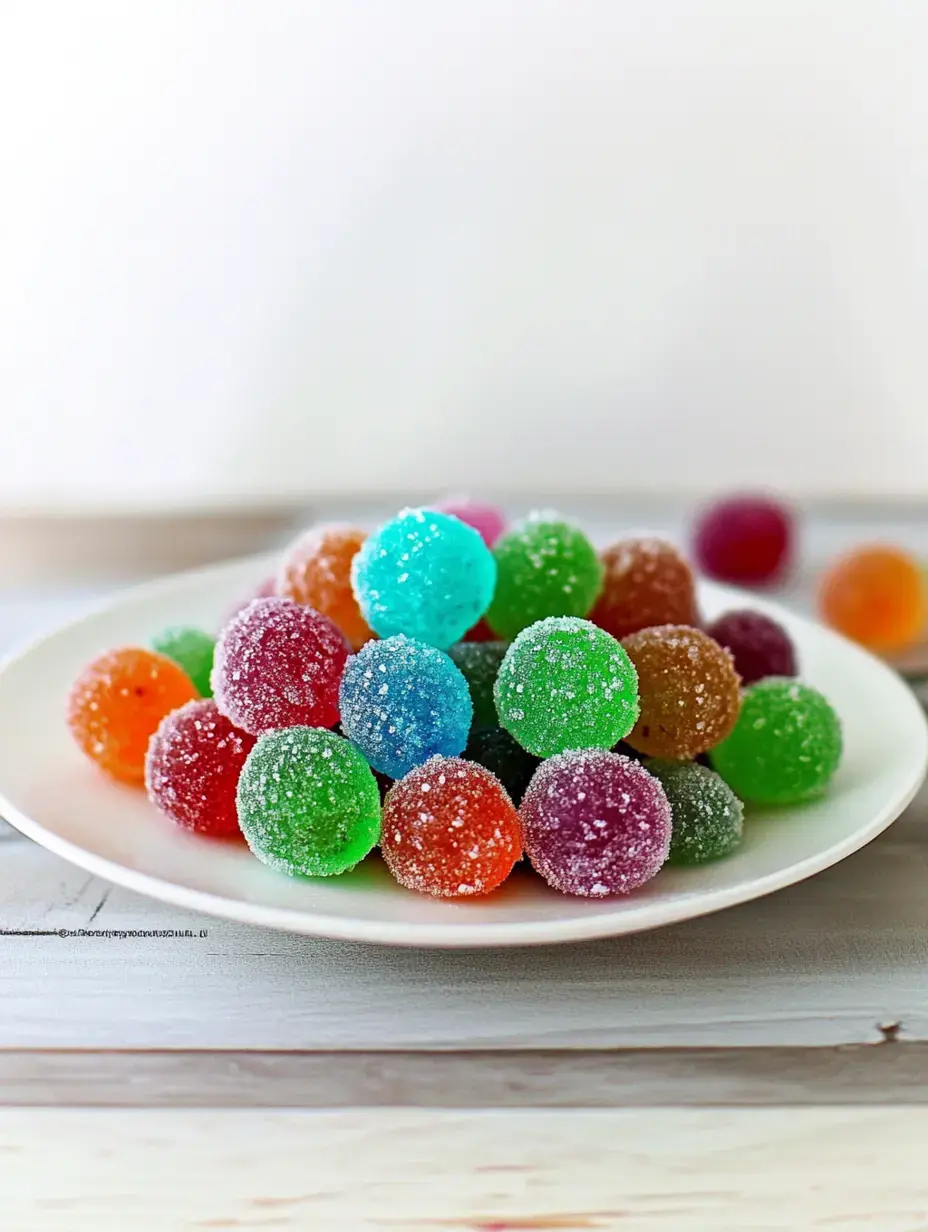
x,y
487,520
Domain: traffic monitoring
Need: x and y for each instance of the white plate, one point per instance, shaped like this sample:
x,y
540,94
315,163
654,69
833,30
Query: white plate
x,y
50,792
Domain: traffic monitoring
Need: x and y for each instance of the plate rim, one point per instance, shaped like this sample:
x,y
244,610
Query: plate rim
x,y
459,934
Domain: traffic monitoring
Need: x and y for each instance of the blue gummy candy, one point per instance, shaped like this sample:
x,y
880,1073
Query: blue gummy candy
x,y
402,702
425,574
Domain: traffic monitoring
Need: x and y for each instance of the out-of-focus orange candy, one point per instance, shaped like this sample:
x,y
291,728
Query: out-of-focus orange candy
x,y
117,704
316,570
876,596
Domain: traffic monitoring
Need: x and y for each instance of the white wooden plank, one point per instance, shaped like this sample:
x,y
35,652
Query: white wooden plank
x,y
627,1171
825,962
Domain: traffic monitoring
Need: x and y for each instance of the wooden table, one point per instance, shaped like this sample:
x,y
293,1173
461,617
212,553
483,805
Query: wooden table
x,y
763,1068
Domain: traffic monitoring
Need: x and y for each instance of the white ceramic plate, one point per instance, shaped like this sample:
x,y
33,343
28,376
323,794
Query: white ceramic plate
x,y
50,792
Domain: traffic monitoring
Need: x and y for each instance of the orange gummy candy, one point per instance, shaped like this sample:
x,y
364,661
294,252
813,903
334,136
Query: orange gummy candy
x,y
876,596
117,704
316,571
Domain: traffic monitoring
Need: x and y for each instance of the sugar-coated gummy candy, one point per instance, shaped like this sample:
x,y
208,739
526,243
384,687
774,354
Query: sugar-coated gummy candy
x,y
785,746
424,574
403,702
545,567
279,664
759,645
595,823
308,803
487,520
495,750
566,684
450,829
646,582
117,703
745,539
480,664
192,769
192,649
316,570
707,818
876,596
689,691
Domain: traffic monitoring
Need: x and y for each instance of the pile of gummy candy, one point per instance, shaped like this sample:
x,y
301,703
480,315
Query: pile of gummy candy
x,y
462,695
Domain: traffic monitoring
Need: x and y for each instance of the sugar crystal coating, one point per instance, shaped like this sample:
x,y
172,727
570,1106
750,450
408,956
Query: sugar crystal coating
x,y
316,570
646,582
545,567
480,663
308,803
595,823
403,702
279,664
566,684
745,539
689,691
117,703
785,746
192,769
759,645
495,750
877,596
487,520
424,574
191,649
706,815
450,829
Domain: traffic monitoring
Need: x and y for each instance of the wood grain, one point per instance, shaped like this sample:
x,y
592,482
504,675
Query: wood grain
x,y
658,1170
886,1073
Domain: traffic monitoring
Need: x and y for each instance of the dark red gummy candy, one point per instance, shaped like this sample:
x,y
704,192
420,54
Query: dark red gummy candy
x,y
745,539
759,646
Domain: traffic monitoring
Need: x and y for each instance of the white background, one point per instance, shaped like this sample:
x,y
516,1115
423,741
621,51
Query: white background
x,y
263,249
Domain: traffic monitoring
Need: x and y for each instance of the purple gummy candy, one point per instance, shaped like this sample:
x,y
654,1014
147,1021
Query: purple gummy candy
x,y
595,823
759,646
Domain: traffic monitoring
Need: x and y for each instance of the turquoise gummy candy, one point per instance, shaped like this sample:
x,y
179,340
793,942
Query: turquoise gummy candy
x,y
480,663
545,567
403,702
566,684
191,649
308,803
785,746
707,818
425,574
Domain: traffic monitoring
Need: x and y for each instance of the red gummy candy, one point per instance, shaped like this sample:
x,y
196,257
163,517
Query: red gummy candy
x,y
745,539
450,829
279,664
192,768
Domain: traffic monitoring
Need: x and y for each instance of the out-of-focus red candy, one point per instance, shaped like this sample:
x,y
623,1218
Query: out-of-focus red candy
x,y
747,540
192,768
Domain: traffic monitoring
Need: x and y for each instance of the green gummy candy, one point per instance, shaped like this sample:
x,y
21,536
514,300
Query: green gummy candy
x,y
785,746
566,684
707,817
308,803
191,649
544,567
